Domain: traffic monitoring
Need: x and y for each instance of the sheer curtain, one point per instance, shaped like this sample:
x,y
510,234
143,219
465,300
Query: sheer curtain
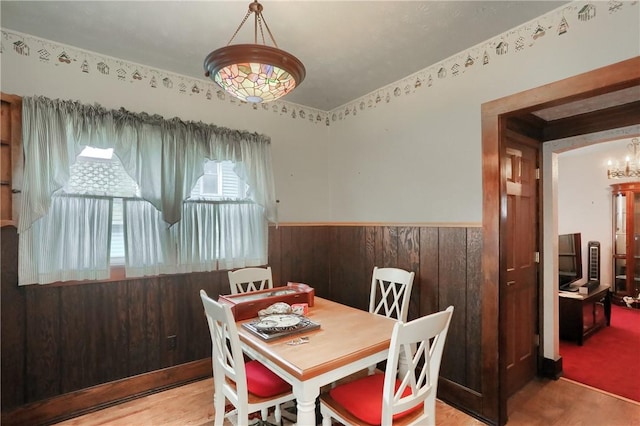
x,y
221,235
149,249
70,242
164,157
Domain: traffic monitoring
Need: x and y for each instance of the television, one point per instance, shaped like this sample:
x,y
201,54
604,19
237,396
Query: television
x,y
569,260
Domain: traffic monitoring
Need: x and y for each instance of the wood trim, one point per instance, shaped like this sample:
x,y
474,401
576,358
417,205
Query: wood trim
x,y
595,121
603,80
552,369
386,224
84,401
15,105
460,397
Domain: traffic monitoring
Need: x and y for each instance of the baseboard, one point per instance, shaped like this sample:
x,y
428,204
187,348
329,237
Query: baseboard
x,y
552,369
74,404
461,398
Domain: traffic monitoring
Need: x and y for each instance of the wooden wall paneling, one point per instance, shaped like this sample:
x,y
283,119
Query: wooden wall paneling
x,y
197,341
124,325
112,356
347,264
137,323
301,241
12,322
43,366
372,252
286,254
473,326
79,337
118,329
275,253
62,407
379,250
389,247
307,260
153,323
168,320
184,320
409,259
190,336
320,266
428,279
452,291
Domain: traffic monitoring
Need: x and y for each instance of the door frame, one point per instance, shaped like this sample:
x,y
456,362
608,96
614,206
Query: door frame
x,y
495,115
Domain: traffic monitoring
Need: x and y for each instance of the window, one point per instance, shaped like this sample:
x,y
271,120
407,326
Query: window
x,y
219,182
100,172
80,217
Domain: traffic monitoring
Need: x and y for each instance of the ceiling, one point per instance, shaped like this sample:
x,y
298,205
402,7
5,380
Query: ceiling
x,y
349,48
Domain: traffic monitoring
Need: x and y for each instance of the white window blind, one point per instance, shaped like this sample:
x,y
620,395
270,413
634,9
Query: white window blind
x,y
219,182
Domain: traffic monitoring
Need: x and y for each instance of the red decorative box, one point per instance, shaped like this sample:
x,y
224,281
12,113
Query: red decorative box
x,y
246,305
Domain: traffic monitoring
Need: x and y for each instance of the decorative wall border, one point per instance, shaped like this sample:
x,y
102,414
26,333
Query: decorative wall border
x,y
557,23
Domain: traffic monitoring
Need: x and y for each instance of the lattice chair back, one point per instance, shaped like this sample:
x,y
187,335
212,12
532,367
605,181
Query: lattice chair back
x,y
407,398
250,387
391,292
250,279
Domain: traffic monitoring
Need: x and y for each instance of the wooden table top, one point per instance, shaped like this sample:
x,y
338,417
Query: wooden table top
x,y
345,335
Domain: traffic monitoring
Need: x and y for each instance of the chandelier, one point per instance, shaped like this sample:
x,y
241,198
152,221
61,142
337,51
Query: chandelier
x,y
631,166
254,72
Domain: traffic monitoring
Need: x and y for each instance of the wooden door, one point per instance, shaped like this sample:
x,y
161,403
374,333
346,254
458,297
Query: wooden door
x,y
519,283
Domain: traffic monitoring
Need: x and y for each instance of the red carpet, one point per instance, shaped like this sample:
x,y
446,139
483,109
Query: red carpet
x,y
610,358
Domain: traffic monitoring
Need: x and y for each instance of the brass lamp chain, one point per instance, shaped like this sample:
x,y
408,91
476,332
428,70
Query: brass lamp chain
x,y
259,19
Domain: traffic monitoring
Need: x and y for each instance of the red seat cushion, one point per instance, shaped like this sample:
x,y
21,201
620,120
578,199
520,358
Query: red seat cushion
x,y
363,398
263,382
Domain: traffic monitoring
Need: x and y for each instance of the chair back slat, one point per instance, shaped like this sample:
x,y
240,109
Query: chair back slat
x,y
422,343
250,279
391,292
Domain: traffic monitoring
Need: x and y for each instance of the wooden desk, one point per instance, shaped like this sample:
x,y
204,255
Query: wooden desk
x,y
581,315
349,340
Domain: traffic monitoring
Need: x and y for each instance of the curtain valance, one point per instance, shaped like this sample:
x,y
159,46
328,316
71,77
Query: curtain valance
x,y
164,156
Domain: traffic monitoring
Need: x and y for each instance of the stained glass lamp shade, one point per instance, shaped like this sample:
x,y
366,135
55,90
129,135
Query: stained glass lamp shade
x,y
254,72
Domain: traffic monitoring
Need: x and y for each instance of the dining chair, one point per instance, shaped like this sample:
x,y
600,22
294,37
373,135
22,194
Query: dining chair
x,y
391,398
249,386
392,299
390,295
250,279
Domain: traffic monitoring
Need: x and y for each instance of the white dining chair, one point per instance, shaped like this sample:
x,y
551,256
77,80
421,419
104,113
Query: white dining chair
x,y
249,386
250,279
391,292
394,398
390,295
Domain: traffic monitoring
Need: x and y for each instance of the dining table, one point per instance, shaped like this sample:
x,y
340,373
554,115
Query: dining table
x,y
348,341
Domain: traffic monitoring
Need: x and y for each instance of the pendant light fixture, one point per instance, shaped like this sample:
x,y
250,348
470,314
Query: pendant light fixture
x,y
254,72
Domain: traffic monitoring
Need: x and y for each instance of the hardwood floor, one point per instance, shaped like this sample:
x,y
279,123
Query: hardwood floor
x,y
541,402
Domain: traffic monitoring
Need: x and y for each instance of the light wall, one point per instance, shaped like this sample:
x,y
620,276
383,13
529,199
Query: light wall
x,y
418,158
413,155
406,153
585,201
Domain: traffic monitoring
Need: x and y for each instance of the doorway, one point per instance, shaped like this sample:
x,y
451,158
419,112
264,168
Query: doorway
x,y
589,212
597,101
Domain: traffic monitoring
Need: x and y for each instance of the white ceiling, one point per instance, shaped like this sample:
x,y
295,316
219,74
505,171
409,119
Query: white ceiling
x,y
349,48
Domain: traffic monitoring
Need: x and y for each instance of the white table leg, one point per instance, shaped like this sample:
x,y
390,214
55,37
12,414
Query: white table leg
x,y
306,398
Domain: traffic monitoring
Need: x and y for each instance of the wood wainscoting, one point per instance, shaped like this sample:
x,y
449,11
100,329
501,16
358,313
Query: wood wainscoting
x,y
80,340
